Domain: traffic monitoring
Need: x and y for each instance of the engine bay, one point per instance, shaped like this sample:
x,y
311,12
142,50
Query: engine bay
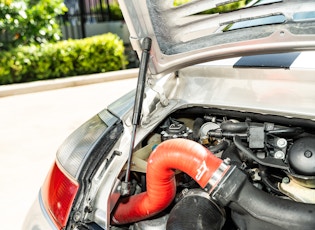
x,y
275,154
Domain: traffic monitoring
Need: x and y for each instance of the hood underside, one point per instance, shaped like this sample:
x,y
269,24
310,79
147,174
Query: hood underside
x,y
187,32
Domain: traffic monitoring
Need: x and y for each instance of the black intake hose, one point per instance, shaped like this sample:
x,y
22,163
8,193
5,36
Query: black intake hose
x,y
264,209
234,127
196,211
198,122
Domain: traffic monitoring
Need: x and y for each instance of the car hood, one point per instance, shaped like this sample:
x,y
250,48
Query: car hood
x,y
181,36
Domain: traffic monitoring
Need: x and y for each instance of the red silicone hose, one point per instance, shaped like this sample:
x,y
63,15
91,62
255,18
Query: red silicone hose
x,y
182,154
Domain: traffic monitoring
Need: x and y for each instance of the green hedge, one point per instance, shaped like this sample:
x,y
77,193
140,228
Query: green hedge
x,y
96,54
25,22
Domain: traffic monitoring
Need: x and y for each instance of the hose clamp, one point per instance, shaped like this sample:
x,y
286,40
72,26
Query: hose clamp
x,y
217,176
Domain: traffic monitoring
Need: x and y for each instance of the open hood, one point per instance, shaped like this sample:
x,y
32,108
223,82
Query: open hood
x,y
184,33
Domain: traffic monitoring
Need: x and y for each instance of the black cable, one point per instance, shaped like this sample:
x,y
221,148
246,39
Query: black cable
x,y
267,182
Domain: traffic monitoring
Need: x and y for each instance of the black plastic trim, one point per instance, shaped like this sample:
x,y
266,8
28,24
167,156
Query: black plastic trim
x,y
282,60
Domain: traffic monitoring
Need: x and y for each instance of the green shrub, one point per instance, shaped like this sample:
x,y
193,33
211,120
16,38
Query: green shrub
x,y
25,22
96,54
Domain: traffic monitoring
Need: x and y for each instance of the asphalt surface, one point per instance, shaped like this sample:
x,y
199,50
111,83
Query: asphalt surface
x,y
32,126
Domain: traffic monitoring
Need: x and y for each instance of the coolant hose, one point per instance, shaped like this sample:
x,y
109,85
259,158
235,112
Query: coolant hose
x,y
181,154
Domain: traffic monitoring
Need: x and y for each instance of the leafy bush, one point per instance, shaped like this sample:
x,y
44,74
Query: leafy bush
x,y
24,22
96,54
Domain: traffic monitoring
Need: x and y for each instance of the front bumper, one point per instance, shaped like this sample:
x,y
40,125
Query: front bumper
x,y
37,217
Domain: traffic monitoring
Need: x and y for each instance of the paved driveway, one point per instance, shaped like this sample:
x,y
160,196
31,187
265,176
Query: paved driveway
x,y
32,126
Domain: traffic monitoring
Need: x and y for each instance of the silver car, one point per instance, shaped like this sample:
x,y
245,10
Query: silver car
x,y
218,134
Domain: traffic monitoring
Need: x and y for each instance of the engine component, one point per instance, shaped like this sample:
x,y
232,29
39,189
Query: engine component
x,y
203,132
279,155
206,127
234,127
198,122
301,156
255,134
196,211
278,146
268,161
176,129
152,224
140,157
305,181
262,151
281,143
267,182
186,155
297,192
270,212
256,137
222,145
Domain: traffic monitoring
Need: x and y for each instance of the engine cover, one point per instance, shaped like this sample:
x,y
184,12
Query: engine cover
x,y
302,156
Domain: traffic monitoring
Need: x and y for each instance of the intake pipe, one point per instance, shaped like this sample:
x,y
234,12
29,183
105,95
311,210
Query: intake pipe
x,y
196,211
253,208
270,210
176,154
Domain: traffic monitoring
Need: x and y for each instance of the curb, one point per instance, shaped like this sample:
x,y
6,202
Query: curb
x,y
39,86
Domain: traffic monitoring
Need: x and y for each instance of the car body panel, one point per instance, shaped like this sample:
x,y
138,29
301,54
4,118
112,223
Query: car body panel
x,y
215,85
258,70
219,85
38,218
267,91
180,38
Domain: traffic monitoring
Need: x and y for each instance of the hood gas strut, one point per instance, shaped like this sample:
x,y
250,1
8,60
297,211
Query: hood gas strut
x,y
146,46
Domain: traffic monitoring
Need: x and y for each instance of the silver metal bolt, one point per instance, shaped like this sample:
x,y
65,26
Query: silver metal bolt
x,y
76,216
281,143
279,155
165,102
308,154
286,180
227,161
